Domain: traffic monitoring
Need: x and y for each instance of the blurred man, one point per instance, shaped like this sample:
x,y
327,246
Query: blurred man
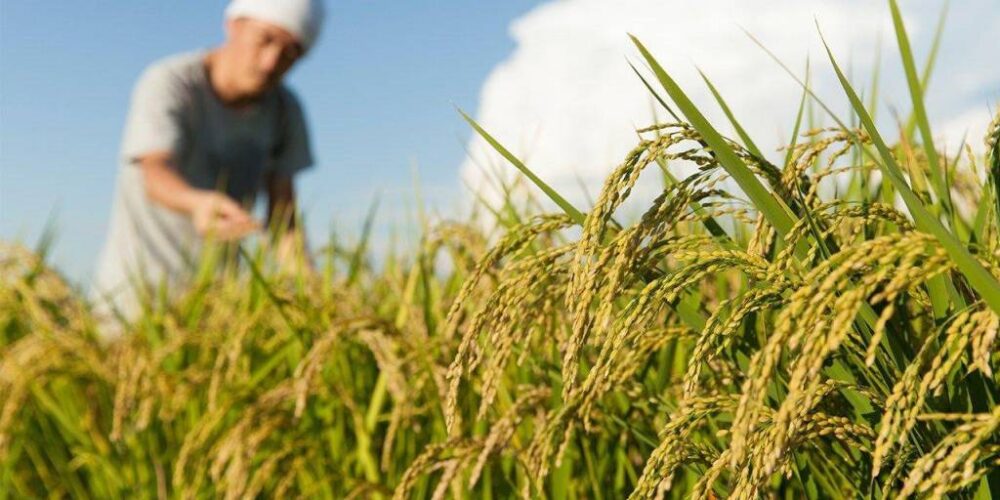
x,y
206,132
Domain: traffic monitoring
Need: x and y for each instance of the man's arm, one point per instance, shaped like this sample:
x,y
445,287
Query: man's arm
x,y
292,249
280,201
212,213
291,155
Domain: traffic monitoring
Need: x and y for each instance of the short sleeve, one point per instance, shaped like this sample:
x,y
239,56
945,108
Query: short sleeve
x,y
155,116
293,152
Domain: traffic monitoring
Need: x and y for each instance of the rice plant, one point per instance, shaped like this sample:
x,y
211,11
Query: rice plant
x,y
761,330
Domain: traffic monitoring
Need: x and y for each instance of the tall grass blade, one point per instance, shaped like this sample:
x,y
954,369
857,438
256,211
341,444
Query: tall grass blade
x,y
938,289
568,208
981,280
919,110
794,139
929,63
993,167
747,141
357,257
775,212
654,92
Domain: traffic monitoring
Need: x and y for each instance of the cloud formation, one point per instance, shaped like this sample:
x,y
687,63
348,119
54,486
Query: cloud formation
x,y
566,101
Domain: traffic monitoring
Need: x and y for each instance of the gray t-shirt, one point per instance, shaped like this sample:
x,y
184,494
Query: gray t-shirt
x,y
174,109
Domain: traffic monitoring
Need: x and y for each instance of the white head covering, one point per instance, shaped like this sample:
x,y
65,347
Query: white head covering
x,y
302,18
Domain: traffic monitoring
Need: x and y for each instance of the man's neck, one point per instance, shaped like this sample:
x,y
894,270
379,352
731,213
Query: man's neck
x,y
218,74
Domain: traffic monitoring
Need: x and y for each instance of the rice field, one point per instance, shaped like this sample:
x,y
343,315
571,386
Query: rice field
x,y
826,330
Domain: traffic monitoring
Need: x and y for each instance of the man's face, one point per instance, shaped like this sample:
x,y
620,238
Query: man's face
x,y
261,53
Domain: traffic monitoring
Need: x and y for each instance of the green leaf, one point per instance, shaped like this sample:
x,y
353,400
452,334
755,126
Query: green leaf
x,y
794,140
981,280
654,92
925,76
357,258
570,210
938,289
776,213
919,110
747,141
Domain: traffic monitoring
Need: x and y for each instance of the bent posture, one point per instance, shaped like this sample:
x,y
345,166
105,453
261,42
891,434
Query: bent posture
x,y
206,132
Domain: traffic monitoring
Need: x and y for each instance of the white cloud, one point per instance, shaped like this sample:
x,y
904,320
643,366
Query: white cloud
x,y
566,101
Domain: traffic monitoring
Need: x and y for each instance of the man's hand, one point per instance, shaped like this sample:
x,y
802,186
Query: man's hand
x,y
217,215
291,249
213,214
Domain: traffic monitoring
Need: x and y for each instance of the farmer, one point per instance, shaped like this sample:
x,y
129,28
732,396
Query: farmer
x,y
206,132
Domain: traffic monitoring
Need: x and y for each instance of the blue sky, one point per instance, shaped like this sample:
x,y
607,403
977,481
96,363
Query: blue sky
x,y
380,90
548,78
